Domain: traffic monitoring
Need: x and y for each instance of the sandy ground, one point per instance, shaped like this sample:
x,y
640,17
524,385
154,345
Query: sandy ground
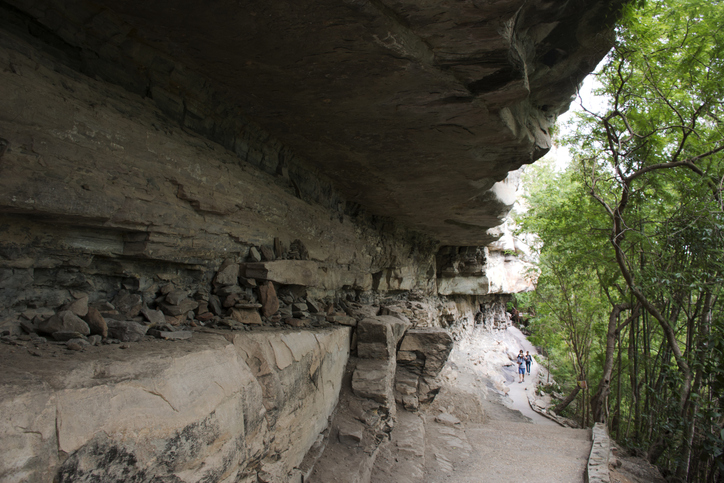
x,y
510,442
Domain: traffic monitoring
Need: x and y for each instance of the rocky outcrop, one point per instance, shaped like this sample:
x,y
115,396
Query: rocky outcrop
x,y
500,271
226,408
374,376
99,191
412,111
504,266
281,175
422,355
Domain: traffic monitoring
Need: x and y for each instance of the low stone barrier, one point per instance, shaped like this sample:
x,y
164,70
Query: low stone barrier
x,y
597,468
240,406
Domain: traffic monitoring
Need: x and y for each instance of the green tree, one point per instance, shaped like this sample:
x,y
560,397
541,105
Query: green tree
x,y
653,163
570,303
640,215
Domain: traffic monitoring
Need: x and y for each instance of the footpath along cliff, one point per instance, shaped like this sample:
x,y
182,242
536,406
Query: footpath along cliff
x,y
225,227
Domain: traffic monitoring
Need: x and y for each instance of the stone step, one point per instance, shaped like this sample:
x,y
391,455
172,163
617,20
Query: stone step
x,y
402,459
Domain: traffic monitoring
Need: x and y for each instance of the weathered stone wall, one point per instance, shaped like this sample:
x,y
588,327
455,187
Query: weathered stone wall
x,y
103,198
597,467
225,408
415,111
97,186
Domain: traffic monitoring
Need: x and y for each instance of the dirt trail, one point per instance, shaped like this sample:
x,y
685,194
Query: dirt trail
x,y
473,432
518,395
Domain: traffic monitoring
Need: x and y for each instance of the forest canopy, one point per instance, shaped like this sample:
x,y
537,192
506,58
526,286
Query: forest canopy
x,y
632,241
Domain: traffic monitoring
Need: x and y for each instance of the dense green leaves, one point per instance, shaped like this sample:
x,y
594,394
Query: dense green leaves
x,y
634,228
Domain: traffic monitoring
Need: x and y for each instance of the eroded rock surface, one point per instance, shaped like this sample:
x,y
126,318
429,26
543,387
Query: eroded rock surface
x,y
170,169
413,110
422,355
218,409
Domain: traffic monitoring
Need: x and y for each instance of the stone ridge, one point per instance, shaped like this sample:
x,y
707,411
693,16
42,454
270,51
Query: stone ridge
x,y
413,110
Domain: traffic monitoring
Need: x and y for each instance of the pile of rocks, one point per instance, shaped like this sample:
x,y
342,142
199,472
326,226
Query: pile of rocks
x,y
141,309
241,302
127,318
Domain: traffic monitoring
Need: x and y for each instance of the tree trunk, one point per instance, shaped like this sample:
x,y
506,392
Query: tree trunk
x,y
619,383
598,400
568,400
691,406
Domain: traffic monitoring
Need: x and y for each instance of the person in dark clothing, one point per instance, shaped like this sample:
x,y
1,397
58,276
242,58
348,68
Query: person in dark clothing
x,y
528,359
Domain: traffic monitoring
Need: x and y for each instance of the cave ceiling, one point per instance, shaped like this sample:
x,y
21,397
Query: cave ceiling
x,y
413,109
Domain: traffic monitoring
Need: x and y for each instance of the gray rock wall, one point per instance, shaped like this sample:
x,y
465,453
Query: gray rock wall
x,y
104,198
414,110
97,186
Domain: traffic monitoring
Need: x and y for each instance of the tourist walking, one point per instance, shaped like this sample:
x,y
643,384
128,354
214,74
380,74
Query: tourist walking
x,y
521,366
528,360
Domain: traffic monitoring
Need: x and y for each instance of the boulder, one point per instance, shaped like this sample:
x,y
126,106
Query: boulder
x,y
286,272
254,254
126,331
269,300
64,321
66,335
246,316
431,345
96,322
377,337
175,297
342,320
79,306
155,317
128,304
422,354
228,274
182,308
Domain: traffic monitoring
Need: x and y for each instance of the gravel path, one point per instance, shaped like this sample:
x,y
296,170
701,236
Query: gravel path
x,y
510,442
505,451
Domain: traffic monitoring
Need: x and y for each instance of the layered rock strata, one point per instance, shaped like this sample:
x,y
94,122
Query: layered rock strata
x,y
414,111
225,408
374,375
98,190
422,355
205,209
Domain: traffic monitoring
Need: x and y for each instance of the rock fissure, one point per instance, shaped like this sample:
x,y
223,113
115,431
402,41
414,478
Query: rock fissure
x,y
156,393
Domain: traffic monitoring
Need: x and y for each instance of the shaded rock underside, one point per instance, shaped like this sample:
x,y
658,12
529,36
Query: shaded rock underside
x,y
412,109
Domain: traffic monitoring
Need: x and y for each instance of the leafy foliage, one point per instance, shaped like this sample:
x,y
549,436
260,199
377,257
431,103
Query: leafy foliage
x,y
632,238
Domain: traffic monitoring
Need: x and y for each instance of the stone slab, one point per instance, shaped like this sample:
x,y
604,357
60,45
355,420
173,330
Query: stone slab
x,y
286,272
168,411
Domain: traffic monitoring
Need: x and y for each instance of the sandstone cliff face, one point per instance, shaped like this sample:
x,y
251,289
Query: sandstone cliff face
x,y
264,176
222,409
96,182
414,110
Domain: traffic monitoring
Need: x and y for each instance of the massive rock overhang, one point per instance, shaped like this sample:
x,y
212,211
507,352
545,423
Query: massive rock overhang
x,y
414,109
